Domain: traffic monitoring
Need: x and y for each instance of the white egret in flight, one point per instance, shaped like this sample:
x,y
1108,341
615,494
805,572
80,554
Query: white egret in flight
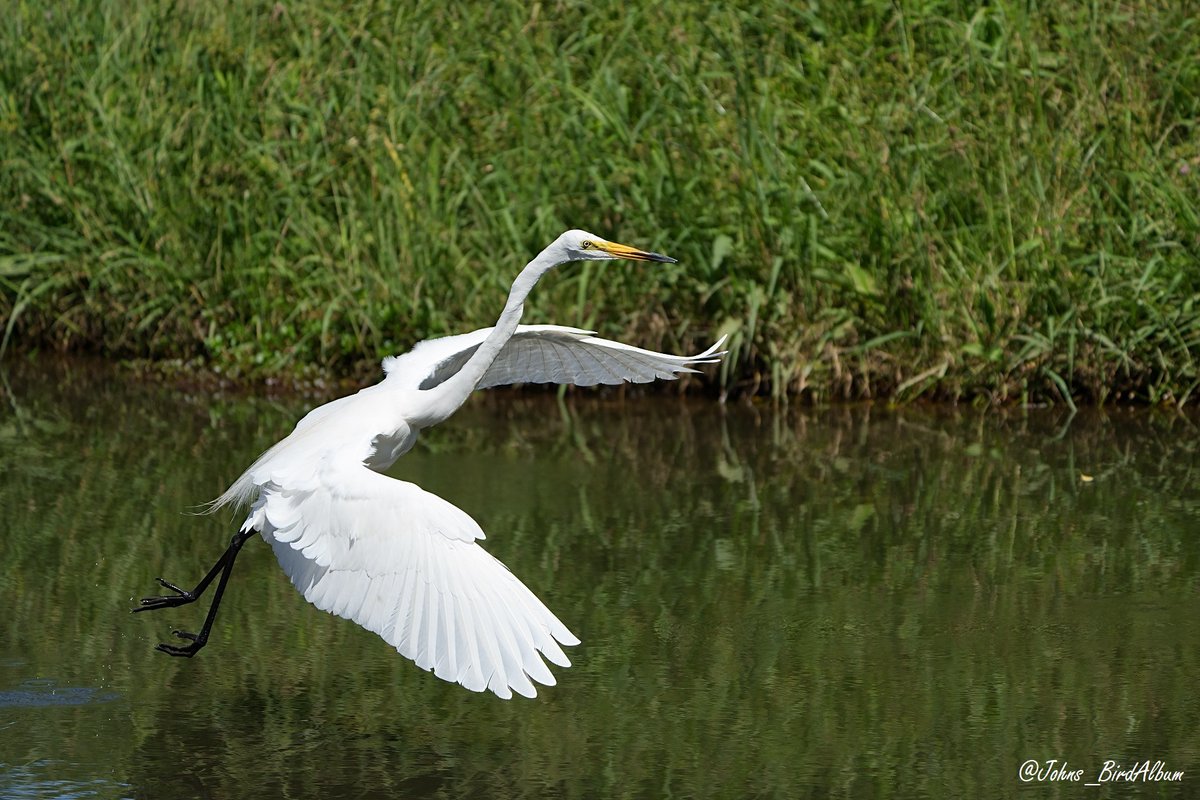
x,y
392,557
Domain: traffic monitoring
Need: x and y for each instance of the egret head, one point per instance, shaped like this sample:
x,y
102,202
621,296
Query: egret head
x,y
584,246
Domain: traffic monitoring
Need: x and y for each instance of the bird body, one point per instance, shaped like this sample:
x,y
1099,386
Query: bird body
x,y
394,558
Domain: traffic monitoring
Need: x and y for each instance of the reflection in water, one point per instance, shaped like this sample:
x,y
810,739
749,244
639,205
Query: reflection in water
x,y
30,781
852,602
46,693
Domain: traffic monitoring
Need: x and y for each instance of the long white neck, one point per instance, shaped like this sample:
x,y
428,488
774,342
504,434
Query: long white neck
x,y
444,399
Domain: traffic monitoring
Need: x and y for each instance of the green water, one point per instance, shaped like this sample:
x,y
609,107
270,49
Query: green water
x,y
852,603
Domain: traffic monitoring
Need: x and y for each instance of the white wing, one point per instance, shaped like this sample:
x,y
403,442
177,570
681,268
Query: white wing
x,y
404,564
542,354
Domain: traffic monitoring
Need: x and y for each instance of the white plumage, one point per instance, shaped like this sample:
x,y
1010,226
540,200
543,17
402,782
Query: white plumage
x,y
403,563
541,354
394,558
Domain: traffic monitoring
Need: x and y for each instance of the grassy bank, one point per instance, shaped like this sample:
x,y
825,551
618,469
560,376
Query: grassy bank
x,y
875,199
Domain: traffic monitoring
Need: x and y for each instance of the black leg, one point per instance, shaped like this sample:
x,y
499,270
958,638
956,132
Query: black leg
x,y
224,566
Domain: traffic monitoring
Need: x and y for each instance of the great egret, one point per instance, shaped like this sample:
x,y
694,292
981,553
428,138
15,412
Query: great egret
x,y
392,557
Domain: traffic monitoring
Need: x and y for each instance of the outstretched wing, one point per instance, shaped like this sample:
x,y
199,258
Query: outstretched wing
x,y
542,354
404,564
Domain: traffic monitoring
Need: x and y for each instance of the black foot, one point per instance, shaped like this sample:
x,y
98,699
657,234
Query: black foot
x,y
181,598
184,651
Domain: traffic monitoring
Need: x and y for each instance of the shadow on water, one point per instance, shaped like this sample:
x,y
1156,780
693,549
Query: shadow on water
x,y
851,602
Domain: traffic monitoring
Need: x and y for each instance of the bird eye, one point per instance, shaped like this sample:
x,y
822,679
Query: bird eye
x,y
587,245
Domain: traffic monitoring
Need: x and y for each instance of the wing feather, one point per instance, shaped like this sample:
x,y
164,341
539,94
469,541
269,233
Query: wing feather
x,y
542,354
405,564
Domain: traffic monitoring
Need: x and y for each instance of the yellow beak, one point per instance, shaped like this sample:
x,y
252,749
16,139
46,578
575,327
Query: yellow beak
x,y
625,251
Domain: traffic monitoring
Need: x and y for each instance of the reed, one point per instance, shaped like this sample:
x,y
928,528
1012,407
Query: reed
x,y
874,199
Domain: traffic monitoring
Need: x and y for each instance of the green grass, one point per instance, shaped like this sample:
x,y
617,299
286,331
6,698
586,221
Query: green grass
x,y
875,199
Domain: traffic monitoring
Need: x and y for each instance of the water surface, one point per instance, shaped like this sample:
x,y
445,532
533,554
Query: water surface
x,y
852,603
